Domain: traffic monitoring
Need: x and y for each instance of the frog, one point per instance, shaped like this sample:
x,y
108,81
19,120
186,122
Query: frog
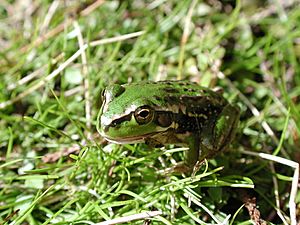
x,y
169,112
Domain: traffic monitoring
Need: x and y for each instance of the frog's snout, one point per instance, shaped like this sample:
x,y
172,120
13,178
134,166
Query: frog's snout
x,y
104,123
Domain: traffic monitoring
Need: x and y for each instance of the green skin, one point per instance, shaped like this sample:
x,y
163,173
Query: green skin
x,y
169,112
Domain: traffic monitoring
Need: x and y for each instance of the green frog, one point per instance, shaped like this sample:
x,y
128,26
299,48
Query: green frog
x,y
169,112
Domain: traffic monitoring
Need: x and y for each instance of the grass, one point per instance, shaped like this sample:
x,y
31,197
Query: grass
x,y
57,57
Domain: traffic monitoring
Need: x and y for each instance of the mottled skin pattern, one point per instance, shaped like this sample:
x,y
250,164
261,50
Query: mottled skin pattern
x,y
176,112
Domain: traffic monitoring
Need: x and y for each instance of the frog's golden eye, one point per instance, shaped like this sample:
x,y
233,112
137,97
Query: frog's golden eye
x,y
143,114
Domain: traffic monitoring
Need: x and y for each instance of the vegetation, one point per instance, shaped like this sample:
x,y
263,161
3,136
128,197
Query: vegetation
x,y
57,57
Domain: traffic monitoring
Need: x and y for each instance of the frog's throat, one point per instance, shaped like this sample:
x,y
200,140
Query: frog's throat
x,y
128,140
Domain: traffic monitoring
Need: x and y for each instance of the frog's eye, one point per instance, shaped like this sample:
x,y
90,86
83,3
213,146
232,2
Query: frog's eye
x,y
143,114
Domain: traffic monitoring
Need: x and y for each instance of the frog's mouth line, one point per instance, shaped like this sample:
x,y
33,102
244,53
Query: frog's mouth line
x,y
128,140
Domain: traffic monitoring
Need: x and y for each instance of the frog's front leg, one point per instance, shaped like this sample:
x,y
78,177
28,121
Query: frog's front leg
x,y
191,155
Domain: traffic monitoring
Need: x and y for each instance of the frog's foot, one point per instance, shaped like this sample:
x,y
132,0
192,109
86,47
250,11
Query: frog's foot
x,y
180,168
197,167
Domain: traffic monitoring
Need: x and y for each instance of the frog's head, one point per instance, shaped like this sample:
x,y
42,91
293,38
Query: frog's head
x,y
130,113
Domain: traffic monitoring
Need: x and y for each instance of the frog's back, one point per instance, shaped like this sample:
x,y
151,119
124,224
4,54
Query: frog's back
x,y
174,95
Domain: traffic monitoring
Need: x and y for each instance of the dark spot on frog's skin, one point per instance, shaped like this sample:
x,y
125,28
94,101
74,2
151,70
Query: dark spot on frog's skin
x,y
167,82
186,123
192,99
158,98
154,105
182,83
171,99
191,90
171,90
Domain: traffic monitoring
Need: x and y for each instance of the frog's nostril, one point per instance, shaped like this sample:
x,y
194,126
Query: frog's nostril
x,y
105,128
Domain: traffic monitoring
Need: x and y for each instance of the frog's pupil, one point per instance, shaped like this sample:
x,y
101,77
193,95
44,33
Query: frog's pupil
x,y
144,113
